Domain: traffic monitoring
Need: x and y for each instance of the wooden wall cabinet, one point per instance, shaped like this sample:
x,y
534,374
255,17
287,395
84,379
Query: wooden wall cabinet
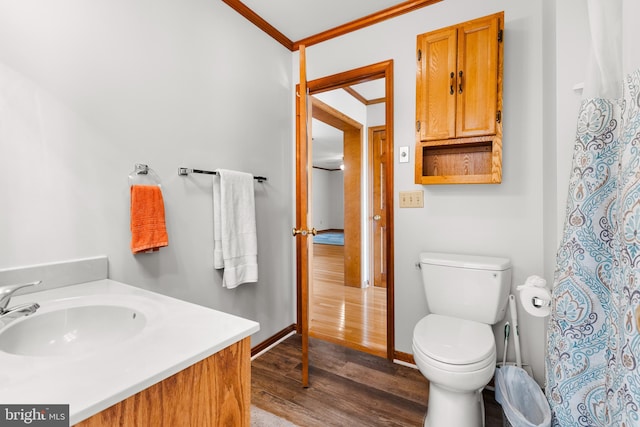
x,y
459,103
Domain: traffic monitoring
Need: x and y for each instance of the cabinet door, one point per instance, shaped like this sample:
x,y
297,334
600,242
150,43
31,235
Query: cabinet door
x,y
477,78
436,99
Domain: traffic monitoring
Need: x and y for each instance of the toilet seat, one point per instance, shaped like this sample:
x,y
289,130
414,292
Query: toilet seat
x,y
462,343
422,359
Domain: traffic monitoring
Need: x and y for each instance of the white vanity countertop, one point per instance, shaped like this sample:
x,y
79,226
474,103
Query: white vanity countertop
x,y
177,335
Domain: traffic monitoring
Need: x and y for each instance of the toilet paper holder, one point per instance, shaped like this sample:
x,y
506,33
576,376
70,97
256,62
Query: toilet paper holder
x,y
539,302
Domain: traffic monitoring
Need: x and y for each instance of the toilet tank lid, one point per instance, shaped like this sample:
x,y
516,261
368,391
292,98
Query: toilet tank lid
x,y
477,262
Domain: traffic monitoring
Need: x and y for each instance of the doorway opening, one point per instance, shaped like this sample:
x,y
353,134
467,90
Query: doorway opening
x,y
351,286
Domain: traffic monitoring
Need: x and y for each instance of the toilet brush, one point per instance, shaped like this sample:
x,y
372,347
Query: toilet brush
x,y
506,343
516,333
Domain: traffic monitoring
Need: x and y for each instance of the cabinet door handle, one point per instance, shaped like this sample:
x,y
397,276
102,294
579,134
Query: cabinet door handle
x,y
460,82
451,83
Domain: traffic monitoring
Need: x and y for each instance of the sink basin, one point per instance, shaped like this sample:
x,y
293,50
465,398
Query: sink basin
x,y
71,331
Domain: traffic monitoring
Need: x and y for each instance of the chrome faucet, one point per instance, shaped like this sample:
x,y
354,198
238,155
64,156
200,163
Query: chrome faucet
x,y
7,315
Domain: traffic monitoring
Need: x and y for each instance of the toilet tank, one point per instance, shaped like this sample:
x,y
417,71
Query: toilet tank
x,y
466,286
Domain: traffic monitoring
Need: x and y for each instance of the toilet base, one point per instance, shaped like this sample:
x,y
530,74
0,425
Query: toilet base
x,y
454,409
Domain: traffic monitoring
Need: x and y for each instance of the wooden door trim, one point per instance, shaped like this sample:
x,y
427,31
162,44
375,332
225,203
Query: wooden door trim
x,y
351,77
329,115
384,70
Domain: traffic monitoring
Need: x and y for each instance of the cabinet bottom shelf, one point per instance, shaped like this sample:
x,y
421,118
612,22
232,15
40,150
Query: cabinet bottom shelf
x,y
456,179
479,162
465,160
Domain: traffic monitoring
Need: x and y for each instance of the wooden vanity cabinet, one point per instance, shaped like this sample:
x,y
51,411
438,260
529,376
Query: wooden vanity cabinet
x,y
215,392
459,103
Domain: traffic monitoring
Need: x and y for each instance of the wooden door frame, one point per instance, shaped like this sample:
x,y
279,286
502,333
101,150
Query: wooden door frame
x,y
336,81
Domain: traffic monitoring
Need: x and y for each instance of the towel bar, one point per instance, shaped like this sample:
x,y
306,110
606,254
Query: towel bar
x,y
187,171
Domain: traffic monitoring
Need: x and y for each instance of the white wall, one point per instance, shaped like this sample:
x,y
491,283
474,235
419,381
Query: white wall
x,y
501,220
328,199
87,89
376,114
336,200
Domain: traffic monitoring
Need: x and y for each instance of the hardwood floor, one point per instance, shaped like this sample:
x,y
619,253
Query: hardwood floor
x,y
345,315
347,388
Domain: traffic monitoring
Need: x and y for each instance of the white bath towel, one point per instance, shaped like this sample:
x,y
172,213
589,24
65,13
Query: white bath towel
x,y
218,259
237,228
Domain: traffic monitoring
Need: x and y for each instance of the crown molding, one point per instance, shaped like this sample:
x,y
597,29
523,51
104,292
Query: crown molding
x,y
257,20
374,18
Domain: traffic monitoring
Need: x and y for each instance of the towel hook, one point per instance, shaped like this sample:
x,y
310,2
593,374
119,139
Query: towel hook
x,y
141,169
143,175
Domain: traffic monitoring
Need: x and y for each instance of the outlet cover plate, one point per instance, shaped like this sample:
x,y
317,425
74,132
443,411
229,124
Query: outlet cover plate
x,y
412,199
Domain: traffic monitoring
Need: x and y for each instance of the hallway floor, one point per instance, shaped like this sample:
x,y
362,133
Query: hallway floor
x,y
353,317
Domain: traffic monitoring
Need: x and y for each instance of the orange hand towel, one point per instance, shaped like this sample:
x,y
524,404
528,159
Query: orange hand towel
x,y
148,229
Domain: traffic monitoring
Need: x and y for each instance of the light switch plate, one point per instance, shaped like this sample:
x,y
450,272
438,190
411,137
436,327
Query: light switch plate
x,y
404,155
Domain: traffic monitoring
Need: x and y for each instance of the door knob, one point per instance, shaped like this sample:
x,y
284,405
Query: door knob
x,y
303,232
377,217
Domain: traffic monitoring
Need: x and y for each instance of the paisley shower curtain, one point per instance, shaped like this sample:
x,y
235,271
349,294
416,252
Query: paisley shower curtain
x,y
593,377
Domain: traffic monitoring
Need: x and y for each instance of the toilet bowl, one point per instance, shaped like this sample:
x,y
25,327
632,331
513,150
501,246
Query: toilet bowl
x,y
458,358
454,346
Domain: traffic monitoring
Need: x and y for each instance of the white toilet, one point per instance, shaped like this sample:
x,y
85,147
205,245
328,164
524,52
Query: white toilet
x,y
454,346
